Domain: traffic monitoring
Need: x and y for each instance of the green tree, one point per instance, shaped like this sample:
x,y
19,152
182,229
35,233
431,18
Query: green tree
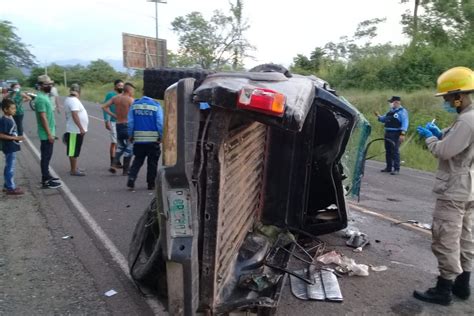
x,y
13,52
15,73
212,43
99,71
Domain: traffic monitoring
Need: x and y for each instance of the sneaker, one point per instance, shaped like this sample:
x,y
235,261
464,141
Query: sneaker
x,y
16,191
385,170
130,184
112,170
51,184
52,179
395,172
78,173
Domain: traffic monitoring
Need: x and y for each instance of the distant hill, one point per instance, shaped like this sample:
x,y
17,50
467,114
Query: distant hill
x,y
115,63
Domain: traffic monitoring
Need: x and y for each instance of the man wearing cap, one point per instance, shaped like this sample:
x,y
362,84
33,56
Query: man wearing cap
x,y
396,126
46,130
77,122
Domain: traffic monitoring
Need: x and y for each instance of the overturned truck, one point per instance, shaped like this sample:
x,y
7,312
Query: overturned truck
x,y
243,153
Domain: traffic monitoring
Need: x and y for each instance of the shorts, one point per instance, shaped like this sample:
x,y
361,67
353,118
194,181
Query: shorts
x,y
73,144
113,132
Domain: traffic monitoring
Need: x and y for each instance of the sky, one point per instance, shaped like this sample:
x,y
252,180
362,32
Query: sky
x,y
92,29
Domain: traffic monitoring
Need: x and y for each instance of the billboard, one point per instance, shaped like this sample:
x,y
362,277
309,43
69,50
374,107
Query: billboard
x,y
140,52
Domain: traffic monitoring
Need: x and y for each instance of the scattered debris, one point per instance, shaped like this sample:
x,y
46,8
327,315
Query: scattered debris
x,y
347,264
358,240
258,282
325,286
110,293
378,268
67,237
414,223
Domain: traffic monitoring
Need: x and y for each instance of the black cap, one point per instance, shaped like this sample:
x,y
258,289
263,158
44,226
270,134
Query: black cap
x,y
394,98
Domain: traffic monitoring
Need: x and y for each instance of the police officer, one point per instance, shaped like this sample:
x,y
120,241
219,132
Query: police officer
x,y
396,126
145,127
452,242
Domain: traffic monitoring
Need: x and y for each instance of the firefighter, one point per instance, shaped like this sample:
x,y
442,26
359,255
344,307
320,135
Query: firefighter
x,y
396,126
452,242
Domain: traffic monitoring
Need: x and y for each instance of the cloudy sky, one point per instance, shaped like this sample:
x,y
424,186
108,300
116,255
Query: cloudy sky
x,y
92,29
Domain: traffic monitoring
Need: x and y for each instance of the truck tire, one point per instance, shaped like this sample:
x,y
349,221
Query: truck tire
x,y
145,257
157,80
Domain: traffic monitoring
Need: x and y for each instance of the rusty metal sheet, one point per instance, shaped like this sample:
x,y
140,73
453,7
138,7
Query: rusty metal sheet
x,y
241,184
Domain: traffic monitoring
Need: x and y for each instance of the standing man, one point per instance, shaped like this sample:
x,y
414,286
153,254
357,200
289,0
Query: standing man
x,y
17,96
122,105
453,243
145,127
110,121
54,98
46,130
396,126
77,122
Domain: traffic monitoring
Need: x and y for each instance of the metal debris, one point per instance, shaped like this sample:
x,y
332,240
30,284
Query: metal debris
x,y
325,286
110,293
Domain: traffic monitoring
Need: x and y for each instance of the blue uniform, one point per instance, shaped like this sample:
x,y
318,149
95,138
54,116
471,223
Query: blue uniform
x,y
145,125
395,122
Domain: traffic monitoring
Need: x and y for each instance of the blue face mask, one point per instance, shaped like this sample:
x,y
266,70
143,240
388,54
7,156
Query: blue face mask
x,y
448,108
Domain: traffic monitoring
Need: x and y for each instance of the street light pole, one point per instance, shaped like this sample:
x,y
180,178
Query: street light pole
x,y
156,20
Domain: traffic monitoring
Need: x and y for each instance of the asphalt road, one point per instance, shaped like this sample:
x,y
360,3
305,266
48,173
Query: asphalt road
x,y
115,210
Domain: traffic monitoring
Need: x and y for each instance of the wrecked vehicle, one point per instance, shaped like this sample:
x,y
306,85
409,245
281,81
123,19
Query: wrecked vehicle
x,y
247,158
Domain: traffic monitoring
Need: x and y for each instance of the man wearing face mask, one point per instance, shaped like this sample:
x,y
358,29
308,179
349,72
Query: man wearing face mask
x,y
17,96
453,243
46,130
396,126
110,122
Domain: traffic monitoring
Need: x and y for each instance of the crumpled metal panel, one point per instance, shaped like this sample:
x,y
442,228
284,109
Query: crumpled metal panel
x,y
242,176
221,90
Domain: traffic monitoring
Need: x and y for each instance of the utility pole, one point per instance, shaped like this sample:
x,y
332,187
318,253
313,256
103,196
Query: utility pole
x,y
156,21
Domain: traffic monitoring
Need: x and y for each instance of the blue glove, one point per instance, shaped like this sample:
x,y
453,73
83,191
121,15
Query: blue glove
x,y
434,129
424,132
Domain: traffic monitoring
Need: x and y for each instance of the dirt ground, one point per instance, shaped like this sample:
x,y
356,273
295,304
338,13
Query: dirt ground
x,y
39,274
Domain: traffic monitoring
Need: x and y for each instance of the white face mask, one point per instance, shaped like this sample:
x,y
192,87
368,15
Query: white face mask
x,y
16,89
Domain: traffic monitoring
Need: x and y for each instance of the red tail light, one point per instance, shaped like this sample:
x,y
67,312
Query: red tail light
x,y
262,100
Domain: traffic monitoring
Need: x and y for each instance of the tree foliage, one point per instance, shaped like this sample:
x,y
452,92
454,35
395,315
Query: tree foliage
x,y
13,52
441,37
97,72
212,43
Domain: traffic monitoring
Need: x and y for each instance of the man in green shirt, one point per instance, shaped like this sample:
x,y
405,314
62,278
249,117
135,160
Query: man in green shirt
x,y
18,97
111,121
46,130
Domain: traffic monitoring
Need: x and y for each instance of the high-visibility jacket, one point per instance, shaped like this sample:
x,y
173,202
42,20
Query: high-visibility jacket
x,y
145,120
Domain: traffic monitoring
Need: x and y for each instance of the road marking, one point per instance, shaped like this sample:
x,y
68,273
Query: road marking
x,y
388,218
116,255
96,118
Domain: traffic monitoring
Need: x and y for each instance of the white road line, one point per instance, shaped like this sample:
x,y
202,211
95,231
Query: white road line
x,y
116,255
96,118
385,217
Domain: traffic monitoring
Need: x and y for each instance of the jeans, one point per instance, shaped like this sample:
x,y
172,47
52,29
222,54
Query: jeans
x,y
9,171
124,146
150,151
19,123
392,150
46,154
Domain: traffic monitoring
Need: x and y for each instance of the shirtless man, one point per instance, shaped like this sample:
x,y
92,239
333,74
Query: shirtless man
x,y
124,146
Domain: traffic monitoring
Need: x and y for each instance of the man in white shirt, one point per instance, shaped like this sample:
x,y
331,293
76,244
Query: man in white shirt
x,y
77,122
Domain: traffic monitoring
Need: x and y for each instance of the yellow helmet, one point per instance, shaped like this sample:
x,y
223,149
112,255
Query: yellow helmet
x,y
455,80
